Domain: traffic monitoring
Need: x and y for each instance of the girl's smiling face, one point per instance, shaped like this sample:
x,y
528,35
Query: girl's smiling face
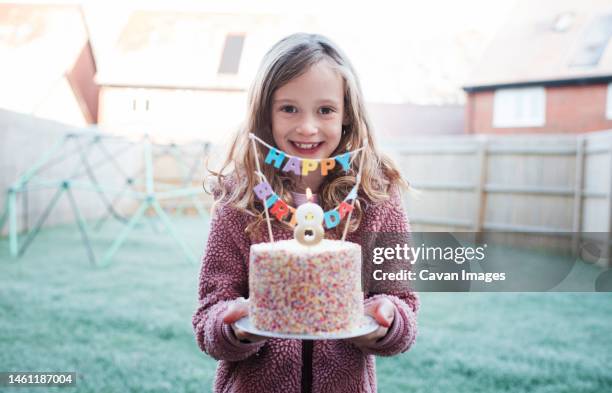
x,y
307,113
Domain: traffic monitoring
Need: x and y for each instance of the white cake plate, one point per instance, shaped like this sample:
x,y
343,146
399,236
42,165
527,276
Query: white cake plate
x,y
368,325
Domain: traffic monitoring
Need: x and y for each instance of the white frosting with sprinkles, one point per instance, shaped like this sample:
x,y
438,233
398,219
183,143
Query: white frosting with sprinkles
x,y
301,289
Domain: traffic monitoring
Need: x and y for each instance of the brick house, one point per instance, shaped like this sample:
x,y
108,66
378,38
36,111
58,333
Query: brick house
x,y
549,70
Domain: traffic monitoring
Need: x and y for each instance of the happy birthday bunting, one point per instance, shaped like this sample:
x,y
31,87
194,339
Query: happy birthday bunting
x,y
282,211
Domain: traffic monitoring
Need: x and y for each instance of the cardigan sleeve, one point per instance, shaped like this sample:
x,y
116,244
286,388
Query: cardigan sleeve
x,y
391,227
223,279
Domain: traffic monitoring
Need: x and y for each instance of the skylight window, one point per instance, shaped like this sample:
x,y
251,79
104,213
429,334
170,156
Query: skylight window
x,y
593,42
230,59
563,22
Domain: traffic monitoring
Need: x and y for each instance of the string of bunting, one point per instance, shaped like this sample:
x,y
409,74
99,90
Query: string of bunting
x,y
280,209
303,166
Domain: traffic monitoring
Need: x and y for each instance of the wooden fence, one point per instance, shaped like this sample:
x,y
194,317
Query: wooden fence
x,y
545,190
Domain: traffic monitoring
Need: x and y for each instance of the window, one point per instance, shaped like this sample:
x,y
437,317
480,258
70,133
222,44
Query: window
x,y
139,105
232,51
521,107
563,22
593,42
609,102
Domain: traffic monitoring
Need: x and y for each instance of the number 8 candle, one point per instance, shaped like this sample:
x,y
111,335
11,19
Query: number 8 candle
x,y
309,228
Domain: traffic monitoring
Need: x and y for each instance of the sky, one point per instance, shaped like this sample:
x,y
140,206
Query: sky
x,y
404,51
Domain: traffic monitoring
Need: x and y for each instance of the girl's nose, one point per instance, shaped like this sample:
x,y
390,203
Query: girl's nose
x,y
307,128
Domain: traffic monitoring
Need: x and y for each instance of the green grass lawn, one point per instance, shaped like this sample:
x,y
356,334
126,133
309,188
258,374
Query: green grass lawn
x,y
127,327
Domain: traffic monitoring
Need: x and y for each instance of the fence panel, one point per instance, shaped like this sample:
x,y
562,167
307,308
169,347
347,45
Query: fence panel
x,y
520,184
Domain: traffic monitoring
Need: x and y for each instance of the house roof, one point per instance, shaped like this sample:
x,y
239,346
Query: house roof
x,y
550,42
178,49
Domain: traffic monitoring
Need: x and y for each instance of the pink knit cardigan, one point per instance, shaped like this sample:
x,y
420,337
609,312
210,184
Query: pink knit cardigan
x,y
277,365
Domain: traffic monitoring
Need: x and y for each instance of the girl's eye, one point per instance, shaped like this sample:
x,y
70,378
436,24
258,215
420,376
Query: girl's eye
x,y
289,109
326,110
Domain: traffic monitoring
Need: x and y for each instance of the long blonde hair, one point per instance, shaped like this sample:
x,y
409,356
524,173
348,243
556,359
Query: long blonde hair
x,y
286,60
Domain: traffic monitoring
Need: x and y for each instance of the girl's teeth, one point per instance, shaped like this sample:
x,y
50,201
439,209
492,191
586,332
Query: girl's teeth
x,y
306,145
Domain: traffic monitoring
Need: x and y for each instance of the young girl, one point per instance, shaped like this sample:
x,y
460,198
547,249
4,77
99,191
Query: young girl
x,y
306,101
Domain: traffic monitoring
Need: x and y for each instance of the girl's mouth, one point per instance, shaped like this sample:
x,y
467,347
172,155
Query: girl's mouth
x,y
306,148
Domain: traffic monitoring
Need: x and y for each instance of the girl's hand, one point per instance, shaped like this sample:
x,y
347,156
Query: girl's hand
x,y
383,311
238,309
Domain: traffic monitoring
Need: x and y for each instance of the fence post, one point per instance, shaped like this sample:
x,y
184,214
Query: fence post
x,y
481,200
578,189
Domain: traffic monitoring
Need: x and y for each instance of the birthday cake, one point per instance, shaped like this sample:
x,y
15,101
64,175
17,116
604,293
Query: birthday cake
x,y
302,289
